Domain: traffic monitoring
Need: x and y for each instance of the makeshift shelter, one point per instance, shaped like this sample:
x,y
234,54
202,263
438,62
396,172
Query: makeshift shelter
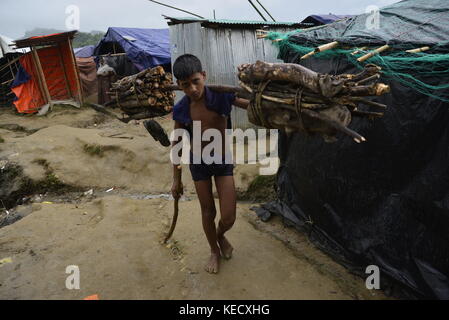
x,y
222,45
48,74
8,68
146,48
321,19
384,202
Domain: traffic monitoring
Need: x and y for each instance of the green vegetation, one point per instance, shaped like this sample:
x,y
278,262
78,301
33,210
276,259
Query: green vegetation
x,y
2,140
262,188
94,150
81,38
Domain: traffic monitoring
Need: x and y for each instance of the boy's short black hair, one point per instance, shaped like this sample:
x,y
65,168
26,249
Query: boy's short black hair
x,y
185,66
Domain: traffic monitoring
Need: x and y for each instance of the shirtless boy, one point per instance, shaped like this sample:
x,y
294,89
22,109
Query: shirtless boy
x,y
212,110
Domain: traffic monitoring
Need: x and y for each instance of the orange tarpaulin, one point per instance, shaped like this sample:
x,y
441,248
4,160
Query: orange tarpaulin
x,y
30,99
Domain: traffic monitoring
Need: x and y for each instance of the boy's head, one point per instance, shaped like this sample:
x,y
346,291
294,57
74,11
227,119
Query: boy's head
x,y
190,76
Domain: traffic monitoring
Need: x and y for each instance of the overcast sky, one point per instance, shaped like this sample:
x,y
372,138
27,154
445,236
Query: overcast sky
x,y
19,16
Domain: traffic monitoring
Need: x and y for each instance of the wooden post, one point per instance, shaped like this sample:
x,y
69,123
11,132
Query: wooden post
x,y
78,82
66,79
41,77
10,68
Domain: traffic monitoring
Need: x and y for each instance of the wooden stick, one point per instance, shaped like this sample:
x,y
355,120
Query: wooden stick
x,y
373,77
358,50
313,114
373,53
369,114
9,63
369,103
322,48
290,72
273,99
77,76
112,54
214,87
41,75
422,49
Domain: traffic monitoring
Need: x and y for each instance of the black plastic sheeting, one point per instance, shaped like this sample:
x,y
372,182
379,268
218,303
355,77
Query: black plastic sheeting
x,y
412,22
384,202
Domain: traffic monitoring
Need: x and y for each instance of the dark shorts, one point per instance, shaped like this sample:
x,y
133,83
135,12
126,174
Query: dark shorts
x,y
204,171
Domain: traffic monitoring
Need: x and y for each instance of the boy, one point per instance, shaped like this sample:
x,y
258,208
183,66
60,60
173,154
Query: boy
x,y
212,110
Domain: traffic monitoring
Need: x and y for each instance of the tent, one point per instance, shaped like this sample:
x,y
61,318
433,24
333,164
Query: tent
x,y
8,68
146,48
384,202
47,74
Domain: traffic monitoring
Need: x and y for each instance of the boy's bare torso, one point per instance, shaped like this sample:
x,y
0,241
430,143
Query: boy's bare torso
x,y
209,120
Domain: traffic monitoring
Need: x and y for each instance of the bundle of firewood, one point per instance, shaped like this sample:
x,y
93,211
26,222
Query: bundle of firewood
x,y
293,98
143,95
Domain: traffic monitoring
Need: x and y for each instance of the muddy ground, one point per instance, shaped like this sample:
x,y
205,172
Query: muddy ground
x,y
80,188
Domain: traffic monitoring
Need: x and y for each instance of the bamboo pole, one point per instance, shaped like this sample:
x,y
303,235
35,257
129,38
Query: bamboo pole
x,y
373,53
358,50
321,48
9,63
75,69
41,76
10,69
6,82
422,49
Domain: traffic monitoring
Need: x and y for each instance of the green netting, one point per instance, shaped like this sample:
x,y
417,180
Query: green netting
x,y
408,68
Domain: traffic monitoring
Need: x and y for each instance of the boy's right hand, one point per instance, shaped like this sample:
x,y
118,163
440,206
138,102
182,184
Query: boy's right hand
x,y
177,189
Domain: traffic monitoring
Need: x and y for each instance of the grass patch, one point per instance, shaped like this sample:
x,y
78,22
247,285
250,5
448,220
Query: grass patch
x,y
262,188
2,140
42,162
94,150
14,185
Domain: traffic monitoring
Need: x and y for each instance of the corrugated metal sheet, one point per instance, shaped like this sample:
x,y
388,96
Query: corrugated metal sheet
x,y
221,51
278,24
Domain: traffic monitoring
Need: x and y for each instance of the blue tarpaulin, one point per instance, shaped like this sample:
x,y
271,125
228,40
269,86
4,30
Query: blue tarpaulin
x,y
146,48
84,52
21,77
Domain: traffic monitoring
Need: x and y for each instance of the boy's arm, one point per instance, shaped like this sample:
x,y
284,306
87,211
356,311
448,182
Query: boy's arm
x,y
241,103
177,187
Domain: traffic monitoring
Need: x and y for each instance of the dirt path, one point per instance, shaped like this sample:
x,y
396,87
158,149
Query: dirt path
x,y
115,238
116,243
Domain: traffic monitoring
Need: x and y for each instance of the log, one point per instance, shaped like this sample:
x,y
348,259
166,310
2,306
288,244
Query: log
x,y
294,98
287,72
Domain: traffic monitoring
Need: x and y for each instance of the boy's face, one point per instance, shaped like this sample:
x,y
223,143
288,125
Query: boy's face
x,y
193,86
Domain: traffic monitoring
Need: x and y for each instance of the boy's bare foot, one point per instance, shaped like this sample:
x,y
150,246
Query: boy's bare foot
x,y
225,247
212,264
